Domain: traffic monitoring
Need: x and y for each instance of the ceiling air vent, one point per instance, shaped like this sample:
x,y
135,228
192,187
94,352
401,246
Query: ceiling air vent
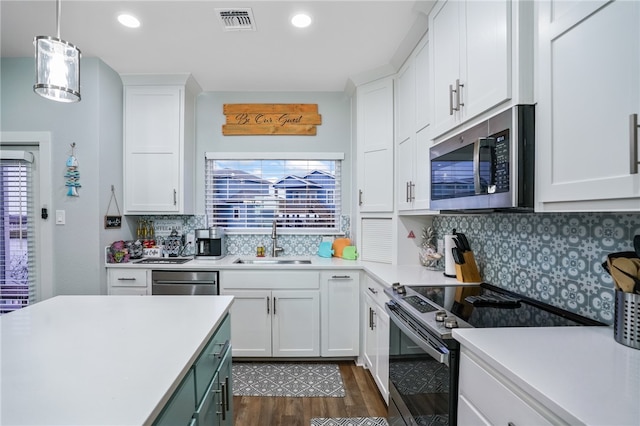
x,y
237,19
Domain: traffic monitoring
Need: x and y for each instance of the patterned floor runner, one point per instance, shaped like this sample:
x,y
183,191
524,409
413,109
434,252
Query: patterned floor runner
x,y
350,421
287,379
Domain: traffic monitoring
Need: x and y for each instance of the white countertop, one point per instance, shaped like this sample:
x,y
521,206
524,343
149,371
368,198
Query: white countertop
x,y
385,273
100,360
580,373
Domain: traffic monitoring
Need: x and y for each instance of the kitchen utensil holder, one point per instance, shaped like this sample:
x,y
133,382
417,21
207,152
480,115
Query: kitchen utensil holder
x,y
626,326
468,271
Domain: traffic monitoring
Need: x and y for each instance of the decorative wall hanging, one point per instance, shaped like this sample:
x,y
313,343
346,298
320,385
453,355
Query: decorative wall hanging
x,y
72,175
114,221
271,119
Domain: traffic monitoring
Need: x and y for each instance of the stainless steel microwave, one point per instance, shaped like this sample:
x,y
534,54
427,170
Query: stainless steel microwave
x,y
489,166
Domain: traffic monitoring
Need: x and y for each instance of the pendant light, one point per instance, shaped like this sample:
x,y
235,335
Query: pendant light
x,y
57,67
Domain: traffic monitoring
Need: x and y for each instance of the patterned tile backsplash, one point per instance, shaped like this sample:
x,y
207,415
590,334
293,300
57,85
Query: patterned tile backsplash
x,y
246,244
555,258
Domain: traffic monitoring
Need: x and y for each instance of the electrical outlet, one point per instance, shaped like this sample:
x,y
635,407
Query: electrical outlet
x,y
440,245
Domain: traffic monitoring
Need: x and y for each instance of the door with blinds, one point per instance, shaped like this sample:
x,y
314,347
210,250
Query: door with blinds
x,y
18,275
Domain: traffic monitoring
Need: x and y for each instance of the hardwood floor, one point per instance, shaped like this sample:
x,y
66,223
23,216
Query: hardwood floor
x,y
362,399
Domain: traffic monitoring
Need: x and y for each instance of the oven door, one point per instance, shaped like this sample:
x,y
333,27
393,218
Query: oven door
x,y
423,386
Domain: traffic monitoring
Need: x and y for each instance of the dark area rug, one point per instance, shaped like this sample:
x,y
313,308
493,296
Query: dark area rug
x,y
287,379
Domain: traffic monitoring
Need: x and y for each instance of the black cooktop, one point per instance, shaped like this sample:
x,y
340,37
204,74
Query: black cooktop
x,y
490,306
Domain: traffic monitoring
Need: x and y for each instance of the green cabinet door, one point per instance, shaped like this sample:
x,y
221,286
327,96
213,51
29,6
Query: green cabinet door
x,y
179,410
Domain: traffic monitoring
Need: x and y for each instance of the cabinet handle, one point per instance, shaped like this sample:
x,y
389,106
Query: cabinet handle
x,y
511,424
175,197
633,143
360,197
223,402
126,279
373,290
226,393
341,277
268,303
274,306
451,99
459,94
223,349
371,318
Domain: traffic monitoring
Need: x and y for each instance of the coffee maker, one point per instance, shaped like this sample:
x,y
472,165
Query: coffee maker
x,y
210,243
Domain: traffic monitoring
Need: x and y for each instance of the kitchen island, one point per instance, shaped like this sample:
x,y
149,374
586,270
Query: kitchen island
x,y
100,360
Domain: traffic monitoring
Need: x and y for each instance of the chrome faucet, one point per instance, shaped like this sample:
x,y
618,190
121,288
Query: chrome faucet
x,y
274,237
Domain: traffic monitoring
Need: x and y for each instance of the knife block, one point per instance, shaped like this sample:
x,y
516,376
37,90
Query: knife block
x,y
468,271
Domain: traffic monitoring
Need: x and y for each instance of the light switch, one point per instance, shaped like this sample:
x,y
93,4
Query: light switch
x,y
60,217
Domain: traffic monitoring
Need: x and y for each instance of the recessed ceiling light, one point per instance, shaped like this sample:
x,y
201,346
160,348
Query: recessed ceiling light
x,y
128,20
301,20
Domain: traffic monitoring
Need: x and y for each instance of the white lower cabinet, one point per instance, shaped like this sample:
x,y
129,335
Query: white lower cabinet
x,y
376,335
127,282
276,313
340,322
485,397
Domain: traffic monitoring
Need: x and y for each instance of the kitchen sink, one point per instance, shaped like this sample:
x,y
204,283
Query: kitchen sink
x,y
163,260
274,261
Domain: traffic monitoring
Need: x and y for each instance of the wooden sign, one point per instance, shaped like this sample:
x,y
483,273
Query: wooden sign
x,y
271,119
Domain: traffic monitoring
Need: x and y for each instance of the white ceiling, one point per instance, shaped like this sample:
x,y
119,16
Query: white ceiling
x,y
347,42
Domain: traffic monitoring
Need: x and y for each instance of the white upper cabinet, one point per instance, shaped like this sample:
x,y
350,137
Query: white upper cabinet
x,y
471,59
412,137
588,80
375,145
159,144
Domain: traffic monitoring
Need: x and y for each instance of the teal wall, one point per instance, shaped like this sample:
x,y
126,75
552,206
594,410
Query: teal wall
x,y
95,125
555,258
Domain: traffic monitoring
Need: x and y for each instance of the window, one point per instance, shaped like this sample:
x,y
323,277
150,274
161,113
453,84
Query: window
x,y
17,278
243,193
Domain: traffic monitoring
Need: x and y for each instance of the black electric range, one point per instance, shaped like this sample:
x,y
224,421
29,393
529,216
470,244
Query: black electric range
x,y
424,361
481,306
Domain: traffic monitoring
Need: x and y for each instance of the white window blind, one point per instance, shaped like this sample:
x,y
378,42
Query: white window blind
x,y
249,194
17,245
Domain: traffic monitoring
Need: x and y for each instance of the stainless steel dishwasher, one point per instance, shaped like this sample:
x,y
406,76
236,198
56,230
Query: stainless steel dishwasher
x,y
188,283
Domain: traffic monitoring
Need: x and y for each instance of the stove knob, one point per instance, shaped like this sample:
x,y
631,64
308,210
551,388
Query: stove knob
x,y
450,322
440,316
401,290
395,286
